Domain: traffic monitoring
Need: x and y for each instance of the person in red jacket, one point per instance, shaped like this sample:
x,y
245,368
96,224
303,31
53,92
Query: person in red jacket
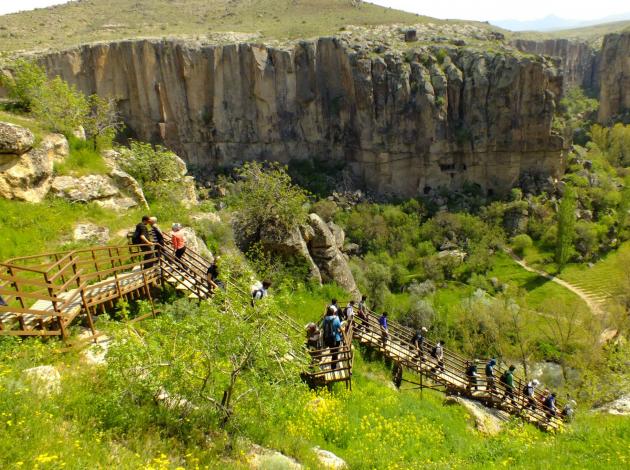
x,y
179,243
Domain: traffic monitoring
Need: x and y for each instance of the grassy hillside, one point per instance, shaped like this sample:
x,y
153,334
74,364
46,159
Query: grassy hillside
x,y
96,20
593,34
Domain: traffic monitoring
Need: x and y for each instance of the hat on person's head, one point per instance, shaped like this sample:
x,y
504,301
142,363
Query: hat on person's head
x,y
535,383
424,329
176,227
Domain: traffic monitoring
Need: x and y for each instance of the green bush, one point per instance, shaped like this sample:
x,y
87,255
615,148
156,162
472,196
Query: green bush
x,y
520,243
24,83
60,107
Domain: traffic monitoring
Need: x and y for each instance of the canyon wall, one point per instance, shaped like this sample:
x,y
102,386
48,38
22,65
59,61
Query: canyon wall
x,y
579,59
403,123
614,69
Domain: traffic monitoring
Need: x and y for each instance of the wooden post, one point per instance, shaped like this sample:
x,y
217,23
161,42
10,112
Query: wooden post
x,y
89,315
63,278
52,293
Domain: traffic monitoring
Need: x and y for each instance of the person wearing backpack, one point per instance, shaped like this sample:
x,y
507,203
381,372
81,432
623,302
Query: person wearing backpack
x,y
490,385
550,405
418,342
260,291
331,328
507,379
529,391
471,376
362,314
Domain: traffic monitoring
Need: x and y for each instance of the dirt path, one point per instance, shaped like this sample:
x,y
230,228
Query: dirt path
x,y
595,306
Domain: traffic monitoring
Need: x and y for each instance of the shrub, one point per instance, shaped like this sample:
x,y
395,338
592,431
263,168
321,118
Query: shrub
x,y
25,82
59,106
265,197
520,243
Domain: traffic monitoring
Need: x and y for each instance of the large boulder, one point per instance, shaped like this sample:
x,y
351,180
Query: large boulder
x,y
14,139
85,188
195,243
263,458
27,176
128,185
487,420
329,460
45,380
328,257
621,406
289,244
91,233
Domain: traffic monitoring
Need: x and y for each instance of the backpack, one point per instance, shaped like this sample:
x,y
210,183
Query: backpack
x,y
471,371
504,378
329,332
256,292
528,391
434,351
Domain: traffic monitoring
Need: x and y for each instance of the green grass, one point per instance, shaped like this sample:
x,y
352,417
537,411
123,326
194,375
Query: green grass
x,y
103,20
539,290
604,277
83,160
29,229
592,34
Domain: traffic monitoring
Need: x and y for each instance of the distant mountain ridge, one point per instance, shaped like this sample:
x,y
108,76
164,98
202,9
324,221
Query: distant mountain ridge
x,y
556,23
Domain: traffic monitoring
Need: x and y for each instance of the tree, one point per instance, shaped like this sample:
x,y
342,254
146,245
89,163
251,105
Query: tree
x,y
60,106
24,83
103,120
207,360
566,227
265,197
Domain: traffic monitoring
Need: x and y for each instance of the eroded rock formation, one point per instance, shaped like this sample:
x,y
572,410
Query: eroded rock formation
x,y
404,123
614,69
579,59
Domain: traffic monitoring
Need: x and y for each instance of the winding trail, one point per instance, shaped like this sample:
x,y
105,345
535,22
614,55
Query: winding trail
x,y
596,307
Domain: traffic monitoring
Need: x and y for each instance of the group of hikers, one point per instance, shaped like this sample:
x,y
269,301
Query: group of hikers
x,y
337,322
148,235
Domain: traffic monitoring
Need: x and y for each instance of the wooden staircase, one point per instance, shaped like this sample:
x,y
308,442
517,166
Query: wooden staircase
x,y
451,378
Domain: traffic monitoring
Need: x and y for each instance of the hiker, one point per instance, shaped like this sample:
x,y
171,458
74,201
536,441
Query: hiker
x,y
260,291
313,336
179,243
471,375
333,305
550,405
382,321
418,342
348,312
438,354
490,386
142,237
156,235
569,410
332,334
397,375
212,274
530,393
507,379
362,312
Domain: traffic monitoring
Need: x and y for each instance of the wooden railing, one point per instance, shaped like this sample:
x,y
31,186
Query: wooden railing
x,y
453,373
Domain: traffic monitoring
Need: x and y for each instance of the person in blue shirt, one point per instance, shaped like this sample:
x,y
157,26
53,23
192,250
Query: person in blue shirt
x,y
382,321
332,333
490,386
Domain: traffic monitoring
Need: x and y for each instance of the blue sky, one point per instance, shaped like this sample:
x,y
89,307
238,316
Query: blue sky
x,y
464,9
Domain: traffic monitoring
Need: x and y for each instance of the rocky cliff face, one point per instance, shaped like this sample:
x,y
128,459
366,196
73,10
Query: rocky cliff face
x,y
579,59
403,123
614,69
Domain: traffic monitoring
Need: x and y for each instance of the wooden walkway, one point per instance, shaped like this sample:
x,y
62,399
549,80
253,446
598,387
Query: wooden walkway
x,y
451,377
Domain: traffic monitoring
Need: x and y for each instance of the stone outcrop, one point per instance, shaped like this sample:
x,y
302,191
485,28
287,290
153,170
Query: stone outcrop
x,y
488,421
195,243
263,458
403,123
45,380
621,406
90,233
614,70
15,139
319,245
328,460
27,176
326,253
579,59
